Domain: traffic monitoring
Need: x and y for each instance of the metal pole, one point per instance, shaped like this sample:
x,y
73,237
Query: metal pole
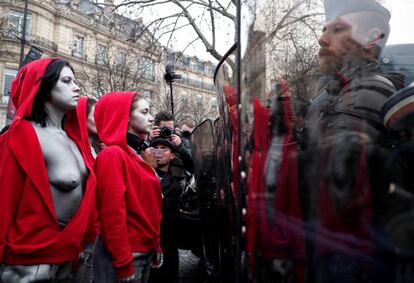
x,y
240,167
23,38
172,99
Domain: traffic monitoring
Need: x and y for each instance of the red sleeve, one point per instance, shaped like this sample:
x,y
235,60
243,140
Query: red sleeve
x,y
12,179
109,167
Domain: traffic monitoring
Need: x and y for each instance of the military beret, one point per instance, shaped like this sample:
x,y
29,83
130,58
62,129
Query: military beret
x,y
337,8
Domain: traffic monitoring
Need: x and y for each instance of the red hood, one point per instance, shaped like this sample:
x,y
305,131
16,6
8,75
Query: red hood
x,y
76,127
111,117
26,84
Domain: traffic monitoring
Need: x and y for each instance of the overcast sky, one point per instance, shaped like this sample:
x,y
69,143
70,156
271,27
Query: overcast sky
x,y
402,30
402,21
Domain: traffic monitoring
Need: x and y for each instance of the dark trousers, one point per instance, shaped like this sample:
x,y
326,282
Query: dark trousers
x,y
84,274
52,273
105,273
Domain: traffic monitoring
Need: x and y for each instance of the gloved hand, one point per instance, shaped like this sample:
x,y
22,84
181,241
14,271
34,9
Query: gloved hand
x,y
157,260
129,279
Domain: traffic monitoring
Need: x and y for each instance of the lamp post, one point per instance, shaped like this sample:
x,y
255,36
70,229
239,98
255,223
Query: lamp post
x,y
170,76
23,38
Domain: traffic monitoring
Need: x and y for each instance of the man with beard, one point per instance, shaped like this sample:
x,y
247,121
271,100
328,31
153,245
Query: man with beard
x,y
342,162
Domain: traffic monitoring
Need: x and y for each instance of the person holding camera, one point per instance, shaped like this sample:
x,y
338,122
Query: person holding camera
x,y
173,182
186,129
164,127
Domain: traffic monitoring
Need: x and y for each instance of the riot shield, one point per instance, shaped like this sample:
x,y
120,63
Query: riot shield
x,y
228,210
203,154
326,142
204,159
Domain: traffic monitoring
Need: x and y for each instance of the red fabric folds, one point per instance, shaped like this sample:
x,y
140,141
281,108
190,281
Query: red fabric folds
x,y
129,196
29,232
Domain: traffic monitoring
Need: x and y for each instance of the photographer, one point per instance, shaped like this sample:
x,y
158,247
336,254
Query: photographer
x,y
186,129
165,128
173,181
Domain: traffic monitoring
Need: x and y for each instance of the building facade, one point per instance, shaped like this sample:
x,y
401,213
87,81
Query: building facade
x,y
108,51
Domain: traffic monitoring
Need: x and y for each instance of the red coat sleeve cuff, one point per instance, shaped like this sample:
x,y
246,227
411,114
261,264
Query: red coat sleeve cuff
x,y
125,271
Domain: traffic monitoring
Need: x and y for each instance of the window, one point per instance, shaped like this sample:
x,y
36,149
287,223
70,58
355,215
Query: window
x,y
16,23
186,61
199,82
101,54
9,75
78,46
199,99
148,68
120,59
193,65
214,103
200,66
184,78
184,98
207,69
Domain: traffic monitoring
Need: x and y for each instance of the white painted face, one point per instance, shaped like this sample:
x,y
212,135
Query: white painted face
x,y
65,94
140,120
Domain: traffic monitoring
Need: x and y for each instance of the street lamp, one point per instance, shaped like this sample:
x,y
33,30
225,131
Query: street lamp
x,y
170,76
23,39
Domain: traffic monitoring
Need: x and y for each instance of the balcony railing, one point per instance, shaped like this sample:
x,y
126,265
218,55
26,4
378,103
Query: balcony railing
x,y
195,68
197,84
30,38
43,42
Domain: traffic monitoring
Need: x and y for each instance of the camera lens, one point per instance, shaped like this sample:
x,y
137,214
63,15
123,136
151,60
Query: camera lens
x,y
165,132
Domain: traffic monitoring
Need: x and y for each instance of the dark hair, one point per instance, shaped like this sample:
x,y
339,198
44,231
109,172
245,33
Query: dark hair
x,y
163,116
49,81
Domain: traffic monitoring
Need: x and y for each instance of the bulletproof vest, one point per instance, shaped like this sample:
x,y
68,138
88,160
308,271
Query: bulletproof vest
x,y
350,103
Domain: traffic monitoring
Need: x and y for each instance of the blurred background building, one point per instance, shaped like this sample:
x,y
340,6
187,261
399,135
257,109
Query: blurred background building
x,y
108,52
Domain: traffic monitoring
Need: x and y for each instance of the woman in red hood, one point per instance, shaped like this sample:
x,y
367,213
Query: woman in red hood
x,y
128,192
92,146
47,184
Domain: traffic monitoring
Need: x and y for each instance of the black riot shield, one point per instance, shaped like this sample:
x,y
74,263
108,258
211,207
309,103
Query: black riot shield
x,y
228,231
203,154
204,159
328,190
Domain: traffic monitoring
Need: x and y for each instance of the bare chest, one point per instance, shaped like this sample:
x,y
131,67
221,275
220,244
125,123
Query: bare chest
x,y
64,163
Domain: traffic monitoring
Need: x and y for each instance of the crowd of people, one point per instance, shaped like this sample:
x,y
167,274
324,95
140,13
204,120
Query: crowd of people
x,y
84,183
91,189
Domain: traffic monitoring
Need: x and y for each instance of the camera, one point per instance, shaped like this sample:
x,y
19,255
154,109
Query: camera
x,y
170,74
166,132
143,145
186,134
